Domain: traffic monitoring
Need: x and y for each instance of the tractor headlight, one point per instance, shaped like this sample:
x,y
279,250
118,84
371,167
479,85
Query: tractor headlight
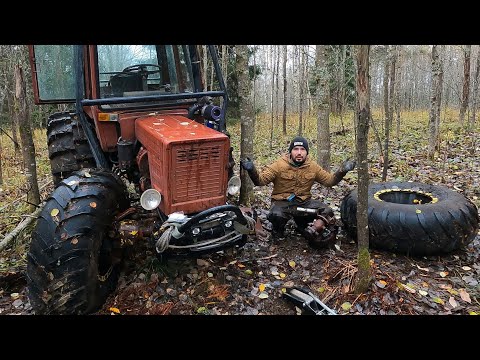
x,y
150,199
234,184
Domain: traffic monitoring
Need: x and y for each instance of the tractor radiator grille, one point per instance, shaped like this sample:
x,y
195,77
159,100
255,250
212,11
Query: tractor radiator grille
x,y
198,172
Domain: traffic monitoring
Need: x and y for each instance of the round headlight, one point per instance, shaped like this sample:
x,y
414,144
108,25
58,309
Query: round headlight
x,y
150,199
234,185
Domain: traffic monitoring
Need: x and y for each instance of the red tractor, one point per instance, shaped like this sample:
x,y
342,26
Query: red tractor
x,y
143,155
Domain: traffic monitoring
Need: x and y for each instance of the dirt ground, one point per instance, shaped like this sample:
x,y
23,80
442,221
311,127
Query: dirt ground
x,y
251,281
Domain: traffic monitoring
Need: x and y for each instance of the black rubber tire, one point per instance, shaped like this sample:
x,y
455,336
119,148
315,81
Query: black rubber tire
x,y
446,223
68,148
70,245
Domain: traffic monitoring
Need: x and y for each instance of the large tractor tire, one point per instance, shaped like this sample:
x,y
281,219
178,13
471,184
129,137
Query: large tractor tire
x,y
72,264
414,218
68,147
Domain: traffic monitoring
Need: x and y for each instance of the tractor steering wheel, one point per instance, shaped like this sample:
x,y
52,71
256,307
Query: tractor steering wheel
x,y
143,69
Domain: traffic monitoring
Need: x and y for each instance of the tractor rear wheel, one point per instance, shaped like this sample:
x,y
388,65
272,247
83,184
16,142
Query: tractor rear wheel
x,y
68,148
72,263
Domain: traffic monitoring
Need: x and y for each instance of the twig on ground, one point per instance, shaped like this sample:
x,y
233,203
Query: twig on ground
x,y
20,227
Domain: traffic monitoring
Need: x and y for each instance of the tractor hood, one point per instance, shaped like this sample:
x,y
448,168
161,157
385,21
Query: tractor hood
x,y
188,162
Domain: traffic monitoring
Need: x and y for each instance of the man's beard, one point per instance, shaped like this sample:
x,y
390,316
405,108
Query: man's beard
x,y
298,163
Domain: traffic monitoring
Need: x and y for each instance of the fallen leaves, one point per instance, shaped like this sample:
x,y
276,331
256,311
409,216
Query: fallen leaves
x,y
464,295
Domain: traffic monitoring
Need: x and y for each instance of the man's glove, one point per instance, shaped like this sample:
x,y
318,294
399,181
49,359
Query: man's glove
x,y
348,165
248,165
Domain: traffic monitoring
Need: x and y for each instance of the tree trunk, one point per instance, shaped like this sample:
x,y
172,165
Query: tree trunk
x,y
272,110
28,147
435,103
473,113
466,83
246,120
277,85
386,107
1,171
396,100
205,67
364,274
254,106
323,106
284,117
389,118
301,86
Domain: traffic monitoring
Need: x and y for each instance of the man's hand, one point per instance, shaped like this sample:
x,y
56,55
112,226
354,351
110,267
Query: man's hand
x,y
348,165
247,164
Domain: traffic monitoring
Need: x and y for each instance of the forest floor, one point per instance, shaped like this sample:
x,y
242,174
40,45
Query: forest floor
x,y
251,280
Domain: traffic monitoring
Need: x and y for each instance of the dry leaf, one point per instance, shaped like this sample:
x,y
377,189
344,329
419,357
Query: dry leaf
x,y
263,295
452,302
443,273
381,283
240,265
423,292
87,174
464,295
438,300
232,262
54,212
261,287
453,292
466,268
114,310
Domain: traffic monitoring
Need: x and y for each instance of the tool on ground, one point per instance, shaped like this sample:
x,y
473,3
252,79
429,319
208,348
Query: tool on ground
x,y
304,299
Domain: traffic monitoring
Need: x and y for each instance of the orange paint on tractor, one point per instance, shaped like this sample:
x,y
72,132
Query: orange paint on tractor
x,y
188,155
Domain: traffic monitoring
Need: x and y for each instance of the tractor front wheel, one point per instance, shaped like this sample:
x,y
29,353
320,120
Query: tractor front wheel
x,y
73,264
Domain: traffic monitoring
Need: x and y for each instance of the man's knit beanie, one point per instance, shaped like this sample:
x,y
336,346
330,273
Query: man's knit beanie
x,y
298,141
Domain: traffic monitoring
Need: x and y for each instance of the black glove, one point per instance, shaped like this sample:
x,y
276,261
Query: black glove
x,y
348,165
247,164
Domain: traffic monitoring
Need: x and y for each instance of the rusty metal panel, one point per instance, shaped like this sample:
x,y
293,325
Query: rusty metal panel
x,y
187,161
